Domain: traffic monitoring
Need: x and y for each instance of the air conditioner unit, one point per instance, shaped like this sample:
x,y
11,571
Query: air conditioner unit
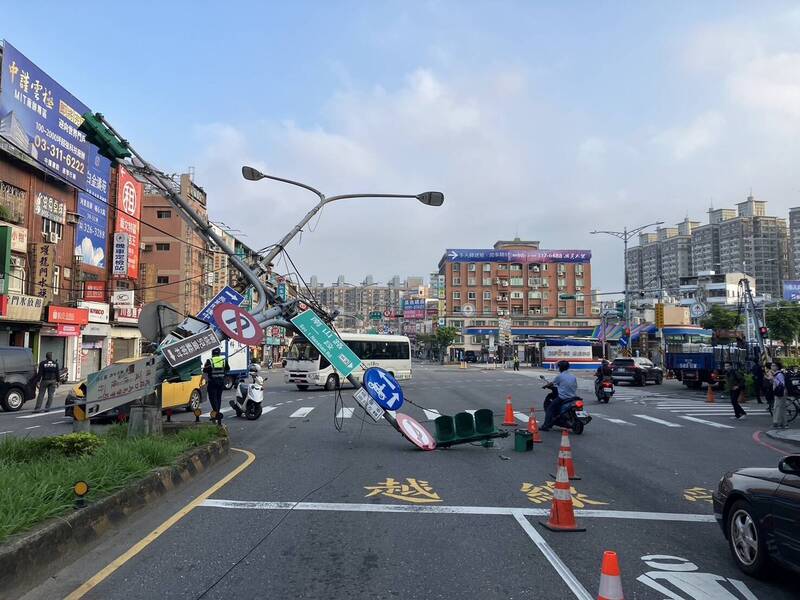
x,y
52,237
17,262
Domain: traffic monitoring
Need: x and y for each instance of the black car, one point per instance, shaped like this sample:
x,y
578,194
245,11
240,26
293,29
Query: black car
x,y
17,374
759,512
636,370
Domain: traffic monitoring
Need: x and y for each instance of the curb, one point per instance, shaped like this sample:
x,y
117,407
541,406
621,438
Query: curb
x,y
29,558
787,436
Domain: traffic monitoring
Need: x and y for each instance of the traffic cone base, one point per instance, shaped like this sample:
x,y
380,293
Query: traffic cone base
x,y
533,427
562,515
610,580
509,421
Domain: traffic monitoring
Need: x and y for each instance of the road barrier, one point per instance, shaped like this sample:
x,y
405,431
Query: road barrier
x,y
533,427
610,579
562,516
710,394
509,421
565,455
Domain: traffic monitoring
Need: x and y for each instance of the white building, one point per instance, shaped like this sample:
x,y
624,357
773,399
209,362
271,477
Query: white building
x,y
712,288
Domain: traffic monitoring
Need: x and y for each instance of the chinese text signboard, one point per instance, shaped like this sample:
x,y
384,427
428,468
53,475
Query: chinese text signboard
x,y
19,307
48,207
327,342
41,270
519,256
92,233
129,209
791,290
41,118
414,309
120,384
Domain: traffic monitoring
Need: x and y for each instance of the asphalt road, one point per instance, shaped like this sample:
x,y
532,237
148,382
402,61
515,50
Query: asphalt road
x,y
360,513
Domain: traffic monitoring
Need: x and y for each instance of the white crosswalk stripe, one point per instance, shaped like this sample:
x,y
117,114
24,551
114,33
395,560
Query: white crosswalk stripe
x,y
344,413
267,409
301,412
659,421
612,419
704,422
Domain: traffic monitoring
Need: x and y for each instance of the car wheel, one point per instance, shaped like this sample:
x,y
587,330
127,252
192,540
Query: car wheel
x,y
745,539
13,400
332,382
639,380
659,379
195,400
302,388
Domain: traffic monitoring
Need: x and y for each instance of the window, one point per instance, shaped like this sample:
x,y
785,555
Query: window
x,y
578,283
487,281
516,267
487,308
502,267
471,296
579,297
456,280
16,282
162,279
472,267
55,227
456,295
487,295
562,268
544,267
162,246
534,295
534,267
516,295
578,270
562,283
56,280
487,267
579,310
545,295
456,268
562,310
517,281
148,247
534,281
470,281
163,214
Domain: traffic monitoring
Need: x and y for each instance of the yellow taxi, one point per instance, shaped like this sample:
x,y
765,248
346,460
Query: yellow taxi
x,y
182,394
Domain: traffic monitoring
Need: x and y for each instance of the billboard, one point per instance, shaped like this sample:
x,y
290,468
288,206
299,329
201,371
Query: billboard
x,y
518,256
41,118
791,290
414,309
92,234
130,193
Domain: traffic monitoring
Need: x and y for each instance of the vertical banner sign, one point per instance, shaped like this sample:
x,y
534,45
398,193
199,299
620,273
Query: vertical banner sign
x,y
41,272
41,118
91,236
129,210
120,264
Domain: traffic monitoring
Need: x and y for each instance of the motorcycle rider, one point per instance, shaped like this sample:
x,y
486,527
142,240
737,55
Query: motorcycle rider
x,y
565,388
604,370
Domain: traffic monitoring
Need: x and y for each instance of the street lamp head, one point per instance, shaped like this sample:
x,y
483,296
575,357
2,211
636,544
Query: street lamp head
x,y
431,198
252,174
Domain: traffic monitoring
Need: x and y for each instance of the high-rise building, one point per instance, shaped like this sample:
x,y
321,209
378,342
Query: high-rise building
x,y
794,242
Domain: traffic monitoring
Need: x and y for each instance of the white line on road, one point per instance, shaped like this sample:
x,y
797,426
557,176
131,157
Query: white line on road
x,y
5,432
563,570
301,412
431,414
704,422
659,421
344,413
269,408
471,411
49,413
612,420
454,510
224,411
33,427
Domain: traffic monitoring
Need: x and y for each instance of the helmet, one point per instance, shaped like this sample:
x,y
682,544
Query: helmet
x,y
563,365
253,369
605,362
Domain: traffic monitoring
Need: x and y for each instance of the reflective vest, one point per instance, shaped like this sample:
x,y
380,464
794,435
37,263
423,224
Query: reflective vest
x,y
217,367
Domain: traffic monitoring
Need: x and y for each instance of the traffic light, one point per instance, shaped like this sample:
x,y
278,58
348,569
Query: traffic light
x,y
98,134
763,331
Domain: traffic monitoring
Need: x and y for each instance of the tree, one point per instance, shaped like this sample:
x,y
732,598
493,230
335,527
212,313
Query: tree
x,y
783,322
445,336
719,318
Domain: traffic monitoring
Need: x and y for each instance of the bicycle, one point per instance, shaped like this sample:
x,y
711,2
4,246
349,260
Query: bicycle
x,y
792,408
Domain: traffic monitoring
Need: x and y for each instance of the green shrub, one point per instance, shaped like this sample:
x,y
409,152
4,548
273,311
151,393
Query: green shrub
x,y
75,444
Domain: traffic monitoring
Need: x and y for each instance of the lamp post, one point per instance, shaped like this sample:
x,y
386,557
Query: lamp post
x,y
625,235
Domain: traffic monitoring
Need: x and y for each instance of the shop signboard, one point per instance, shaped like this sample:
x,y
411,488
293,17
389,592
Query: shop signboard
x,y
99,312
90,238
127,315
122,298
94,291
414,309
518,256
791,290
130,192
18,235
49,208
19,307
41,270
67,315
120,254
5,259
63,330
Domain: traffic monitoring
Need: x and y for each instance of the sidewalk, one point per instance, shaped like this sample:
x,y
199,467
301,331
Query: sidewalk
x,y
789,436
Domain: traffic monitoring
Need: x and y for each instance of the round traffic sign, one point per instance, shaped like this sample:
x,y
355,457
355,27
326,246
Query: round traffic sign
x,y
697,309
468,310
415,433
238,324
383,388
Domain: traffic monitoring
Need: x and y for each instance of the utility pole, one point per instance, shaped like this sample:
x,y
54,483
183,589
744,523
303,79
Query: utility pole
x,y
625,235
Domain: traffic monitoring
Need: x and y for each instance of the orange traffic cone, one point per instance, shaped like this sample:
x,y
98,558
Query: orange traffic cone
x,y
565,456
710,394
533,427
562,517
509,418
610,580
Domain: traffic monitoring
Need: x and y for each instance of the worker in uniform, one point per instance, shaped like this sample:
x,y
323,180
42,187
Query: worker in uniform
x,y
47,376
214,371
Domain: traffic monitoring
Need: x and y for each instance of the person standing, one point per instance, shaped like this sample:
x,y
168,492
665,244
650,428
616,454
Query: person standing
x,y
769,381
758,379
214,371
779,403
735,382
516,362
47,376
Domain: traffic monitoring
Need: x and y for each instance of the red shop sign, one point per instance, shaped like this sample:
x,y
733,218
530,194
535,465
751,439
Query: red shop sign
x,y
70,316
63,330
94,291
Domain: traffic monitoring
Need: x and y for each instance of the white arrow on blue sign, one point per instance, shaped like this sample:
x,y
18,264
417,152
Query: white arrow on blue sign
x,y
383,388
226,295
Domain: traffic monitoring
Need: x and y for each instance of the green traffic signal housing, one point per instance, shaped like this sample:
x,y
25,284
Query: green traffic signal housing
x,y
98,134
464,428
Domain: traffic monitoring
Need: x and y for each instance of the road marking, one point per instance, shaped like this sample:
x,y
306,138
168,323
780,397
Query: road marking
x,y
344,413
33,427
301,412
268,409
522,417
563,570
704,422
224,411
611,420
455,510
659,421
431,414
49,413
103,574
5,432
471,411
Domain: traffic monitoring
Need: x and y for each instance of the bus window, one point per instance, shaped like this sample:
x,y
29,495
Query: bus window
x,y
302,350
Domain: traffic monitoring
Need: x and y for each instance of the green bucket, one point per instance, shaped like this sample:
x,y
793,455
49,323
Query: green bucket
x,y
523,440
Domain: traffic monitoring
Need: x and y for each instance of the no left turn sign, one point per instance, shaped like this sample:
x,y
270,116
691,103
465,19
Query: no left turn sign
x,y
238,324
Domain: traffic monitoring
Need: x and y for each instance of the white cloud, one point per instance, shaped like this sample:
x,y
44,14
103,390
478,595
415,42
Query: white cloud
x,y
769,84
702,133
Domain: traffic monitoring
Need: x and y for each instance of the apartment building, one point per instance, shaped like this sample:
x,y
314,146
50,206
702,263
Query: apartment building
x,y
794,242
712,288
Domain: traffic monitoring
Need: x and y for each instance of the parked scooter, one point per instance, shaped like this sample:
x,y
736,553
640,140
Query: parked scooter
x,y
604,389
249,395
573,414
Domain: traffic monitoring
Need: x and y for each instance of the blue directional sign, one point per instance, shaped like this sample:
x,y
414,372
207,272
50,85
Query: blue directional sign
x,y
226,295
623,341
383,388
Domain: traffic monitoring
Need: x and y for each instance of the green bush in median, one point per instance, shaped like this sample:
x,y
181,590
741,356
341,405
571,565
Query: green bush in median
x,y
37,474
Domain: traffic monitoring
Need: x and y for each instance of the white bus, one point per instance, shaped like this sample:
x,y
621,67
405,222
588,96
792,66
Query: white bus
x,y
305,367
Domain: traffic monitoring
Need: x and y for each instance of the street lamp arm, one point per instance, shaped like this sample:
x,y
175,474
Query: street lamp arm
x,y
346,196
621,235
296,183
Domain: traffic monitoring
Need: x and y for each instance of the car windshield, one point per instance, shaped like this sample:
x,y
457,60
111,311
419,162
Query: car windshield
x,y
303,351
623,362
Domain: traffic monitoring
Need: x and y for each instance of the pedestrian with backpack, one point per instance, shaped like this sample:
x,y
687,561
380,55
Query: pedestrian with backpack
x,y
779,404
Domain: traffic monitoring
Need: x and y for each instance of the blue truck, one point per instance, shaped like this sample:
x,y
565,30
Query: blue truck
x,y
696,364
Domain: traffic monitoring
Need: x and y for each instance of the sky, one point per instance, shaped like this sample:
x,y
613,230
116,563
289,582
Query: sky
x,y
542,120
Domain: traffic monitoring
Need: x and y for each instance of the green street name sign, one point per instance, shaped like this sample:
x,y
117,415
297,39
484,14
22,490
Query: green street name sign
x,y
376,315
327,342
